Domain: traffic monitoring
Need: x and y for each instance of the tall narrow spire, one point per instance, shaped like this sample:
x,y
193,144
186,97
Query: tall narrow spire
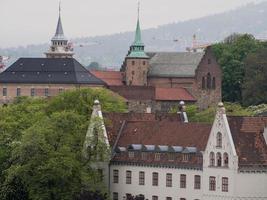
x,y
59,47
137,48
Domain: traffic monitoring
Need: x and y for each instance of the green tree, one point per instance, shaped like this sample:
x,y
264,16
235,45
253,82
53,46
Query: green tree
x,y
230,55
41,144
255,80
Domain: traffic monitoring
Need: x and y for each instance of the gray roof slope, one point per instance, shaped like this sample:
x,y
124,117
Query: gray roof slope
x,y
174,64
48,71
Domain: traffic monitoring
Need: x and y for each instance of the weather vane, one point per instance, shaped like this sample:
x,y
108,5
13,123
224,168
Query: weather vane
x,y
138,8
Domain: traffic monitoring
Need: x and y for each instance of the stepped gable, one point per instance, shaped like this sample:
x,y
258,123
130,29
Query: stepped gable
x,y
247,133
174,64
48,71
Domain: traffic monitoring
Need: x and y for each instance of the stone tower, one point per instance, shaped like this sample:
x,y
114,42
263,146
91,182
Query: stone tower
x,y
59,43
136,62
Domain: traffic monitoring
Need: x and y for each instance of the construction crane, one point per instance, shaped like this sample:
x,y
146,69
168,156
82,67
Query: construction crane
x,y
195,46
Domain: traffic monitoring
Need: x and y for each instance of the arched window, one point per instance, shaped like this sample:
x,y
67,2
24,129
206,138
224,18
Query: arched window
x,y
208,81
203,83
219,140
219,159
225,159
212,159
213,83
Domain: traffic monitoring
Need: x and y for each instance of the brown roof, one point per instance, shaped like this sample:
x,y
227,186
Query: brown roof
x,y
148,129
247,133
135,92
173,94
109,77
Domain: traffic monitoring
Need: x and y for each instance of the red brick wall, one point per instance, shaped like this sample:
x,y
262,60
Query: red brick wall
x,y
136,71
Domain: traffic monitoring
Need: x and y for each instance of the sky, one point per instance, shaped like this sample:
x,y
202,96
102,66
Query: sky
x,y
25,22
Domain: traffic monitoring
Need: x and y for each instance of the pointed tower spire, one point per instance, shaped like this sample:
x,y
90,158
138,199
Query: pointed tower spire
x,y
137,48
59,47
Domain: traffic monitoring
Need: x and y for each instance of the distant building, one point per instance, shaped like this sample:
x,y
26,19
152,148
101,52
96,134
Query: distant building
x,y
45,77
196,73
163,157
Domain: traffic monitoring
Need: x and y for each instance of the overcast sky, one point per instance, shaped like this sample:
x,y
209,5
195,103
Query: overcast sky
x,y
24,22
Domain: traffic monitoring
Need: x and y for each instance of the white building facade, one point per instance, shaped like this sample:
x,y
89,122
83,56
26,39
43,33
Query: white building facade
x,y
170,160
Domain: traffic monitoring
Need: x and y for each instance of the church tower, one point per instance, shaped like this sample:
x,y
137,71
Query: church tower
x,y
136,62
59,44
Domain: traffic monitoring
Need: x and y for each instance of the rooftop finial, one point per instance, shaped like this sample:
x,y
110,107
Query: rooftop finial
x,y
138,10
59,8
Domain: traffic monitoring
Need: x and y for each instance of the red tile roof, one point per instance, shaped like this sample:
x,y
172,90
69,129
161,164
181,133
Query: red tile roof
x,y
109,77
173,94
135,92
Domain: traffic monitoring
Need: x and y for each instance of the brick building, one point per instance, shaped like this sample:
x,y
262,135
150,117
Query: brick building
x,y
163,157
48,76
196,72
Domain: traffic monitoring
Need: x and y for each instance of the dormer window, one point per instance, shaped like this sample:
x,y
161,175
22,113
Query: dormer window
x,y
144,156
219,140
131,154
185,157
157,156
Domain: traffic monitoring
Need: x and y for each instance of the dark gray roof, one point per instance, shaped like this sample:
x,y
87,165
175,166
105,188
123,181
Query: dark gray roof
x,y
48,71
174,64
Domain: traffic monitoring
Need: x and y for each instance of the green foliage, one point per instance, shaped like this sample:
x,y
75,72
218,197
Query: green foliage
x,y
255,80
41,145
207,116
231,55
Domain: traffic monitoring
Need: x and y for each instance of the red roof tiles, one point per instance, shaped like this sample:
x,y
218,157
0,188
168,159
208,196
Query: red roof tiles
x,y
173,94
109,77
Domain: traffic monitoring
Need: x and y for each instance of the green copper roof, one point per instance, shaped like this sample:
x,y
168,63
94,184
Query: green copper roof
x,y
137,48
138,39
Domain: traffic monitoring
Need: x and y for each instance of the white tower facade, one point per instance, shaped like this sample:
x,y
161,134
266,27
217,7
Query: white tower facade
x,y
59,43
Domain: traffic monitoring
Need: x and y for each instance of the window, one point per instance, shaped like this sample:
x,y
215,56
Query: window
x,y
212,183
133,63
182,181
128,177
141,178
32,92
225,159
46,92
203,83
128,196
18,92
171,156
4,92
208,81
219,159
157,156
219,140
144,62
115,176
131,154
182,198
212,159
168,198
197,182
133,72
60,90
213,83
155,179
185,157
144,155
115,196
155,197
224,184
168,180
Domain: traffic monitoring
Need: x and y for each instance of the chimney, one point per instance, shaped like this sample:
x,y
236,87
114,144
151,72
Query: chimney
x,y
182,112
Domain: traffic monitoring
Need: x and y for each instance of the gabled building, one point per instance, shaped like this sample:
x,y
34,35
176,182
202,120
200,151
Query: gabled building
x,y
196,72
164,157
45,77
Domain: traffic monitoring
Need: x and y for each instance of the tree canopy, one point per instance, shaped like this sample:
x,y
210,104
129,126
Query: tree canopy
x,y
231,54
41,143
